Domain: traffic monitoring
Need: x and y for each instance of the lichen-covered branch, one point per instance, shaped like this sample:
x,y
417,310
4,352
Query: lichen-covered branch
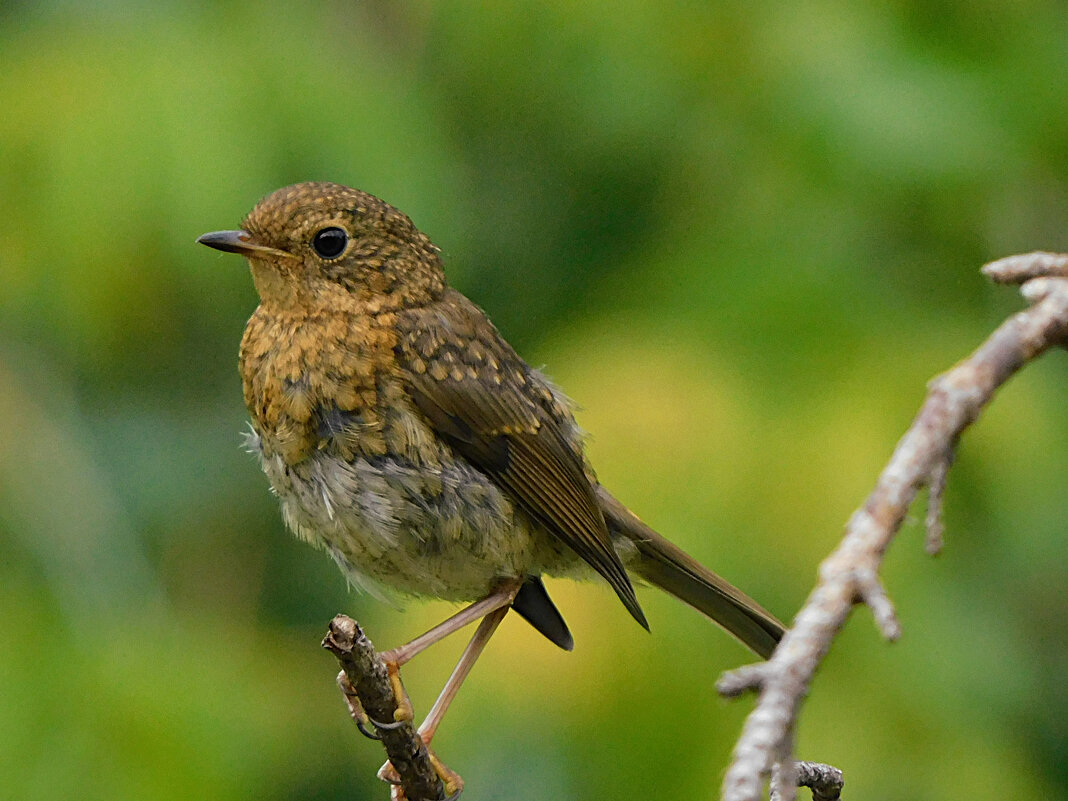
x,y
369,687
850,574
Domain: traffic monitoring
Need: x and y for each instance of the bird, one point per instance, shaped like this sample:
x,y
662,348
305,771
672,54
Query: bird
x,y
404,436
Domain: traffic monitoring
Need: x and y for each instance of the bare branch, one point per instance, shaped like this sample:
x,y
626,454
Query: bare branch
x,y
1018,269
369,679
784,776
954,401
825,781
1037,289
737,682
872,592
933,522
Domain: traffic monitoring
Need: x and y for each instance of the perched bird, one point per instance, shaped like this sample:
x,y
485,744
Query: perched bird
x,y
403,435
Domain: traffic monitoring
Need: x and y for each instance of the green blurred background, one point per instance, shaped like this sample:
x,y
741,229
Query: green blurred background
x,y
743,235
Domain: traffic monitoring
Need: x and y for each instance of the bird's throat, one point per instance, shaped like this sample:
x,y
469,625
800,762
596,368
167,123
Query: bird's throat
x,y
276,291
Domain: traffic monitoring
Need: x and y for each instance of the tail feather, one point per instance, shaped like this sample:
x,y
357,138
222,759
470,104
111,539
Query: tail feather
x,y
536,607
673,570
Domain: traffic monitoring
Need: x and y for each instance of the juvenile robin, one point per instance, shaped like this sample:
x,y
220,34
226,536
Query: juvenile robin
x,y
403,435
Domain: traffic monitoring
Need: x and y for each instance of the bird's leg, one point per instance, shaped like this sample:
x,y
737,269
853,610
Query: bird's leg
x,y
501,597
453,783
394,658
467,661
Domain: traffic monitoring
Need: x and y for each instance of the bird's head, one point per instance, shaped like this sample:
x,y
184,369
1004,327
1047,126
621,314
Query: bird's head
x,y
320,245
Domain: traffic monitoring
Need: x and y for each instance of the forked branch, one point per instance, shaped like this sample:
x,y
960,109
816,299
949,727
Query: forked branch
x,y
850,575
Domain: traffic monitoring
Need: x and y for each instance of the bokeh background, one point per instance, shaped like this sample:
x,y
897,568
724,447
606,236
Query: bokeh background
x,y
743,235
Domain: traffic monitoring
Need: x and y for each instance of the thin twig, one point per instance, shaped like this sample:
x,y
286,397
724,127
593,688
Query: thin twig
x,y
850,573
825,781
1018,269
368,676
741,680
933,522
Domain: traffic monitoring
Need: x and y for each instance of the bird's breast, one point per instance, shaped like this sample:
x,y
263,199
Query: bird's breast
x,y
359,471
329,383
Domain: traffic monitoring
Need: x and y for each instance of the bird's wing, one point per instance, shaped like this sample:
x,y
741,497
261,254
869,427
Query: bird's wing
x,y
482,399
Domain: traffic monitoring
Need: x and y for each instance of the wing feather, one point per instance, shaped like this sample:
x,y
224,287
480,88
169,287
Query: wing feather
x,y
491,410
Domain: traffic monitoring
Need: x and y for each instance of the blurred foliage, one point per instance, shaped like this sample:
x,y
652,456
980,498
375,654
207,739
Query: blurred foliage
x,y
742,236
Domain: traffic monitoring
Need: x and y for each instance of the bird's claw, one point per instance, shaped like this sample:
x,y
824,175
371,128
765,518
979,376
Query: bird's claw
x,y
396,724
404,712
454,785
368,726
370,734
388,774
356,711
453,782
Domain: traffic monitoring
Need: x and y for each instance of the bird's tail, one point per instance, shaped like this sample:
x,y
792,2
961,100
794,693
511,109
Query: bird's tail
x,y
673,570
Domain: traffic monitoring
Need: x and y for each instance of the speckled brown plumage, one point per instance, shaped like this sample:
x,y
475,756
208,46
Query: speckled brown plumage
x,y
404,435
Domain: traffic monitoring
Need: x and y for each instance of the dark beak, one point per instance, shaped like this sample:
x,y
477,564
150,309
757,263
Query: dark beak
x,y
238,242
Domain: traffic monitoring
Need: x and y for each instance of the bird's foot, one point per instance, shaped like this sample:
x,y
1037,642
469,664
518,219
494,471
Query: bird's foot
x,y
404,712
367,725
454,784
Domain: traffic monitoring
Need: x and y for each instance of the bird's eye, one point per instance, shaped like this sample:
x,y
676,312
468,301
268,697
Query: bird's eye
x,y
330,242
